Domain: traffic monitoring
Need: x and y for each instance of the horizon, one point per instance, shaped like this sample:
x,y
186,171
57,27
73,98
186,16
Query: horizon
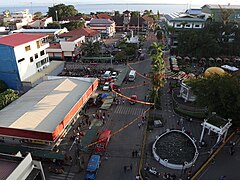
x,y
106,2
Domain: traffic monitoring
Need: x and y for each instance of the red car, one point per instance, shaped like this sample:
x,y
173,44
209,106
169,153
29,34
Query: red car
x,y
133,99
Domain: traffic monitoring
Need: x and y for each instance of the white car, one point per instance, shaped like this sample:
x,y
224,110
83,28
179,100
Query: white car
x,y
114,75
106,86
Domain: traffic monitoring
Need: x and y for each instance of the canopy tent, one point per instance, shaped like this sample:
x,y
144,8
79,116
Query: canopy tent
x,y
230,68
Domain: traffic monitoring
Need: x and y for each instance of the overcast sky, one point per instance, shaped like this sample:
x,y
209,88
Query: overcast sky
x,y
193,2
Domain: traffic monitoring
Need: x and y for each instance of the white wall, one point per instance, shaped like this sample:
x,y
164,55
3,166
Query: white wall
x,y
24,169
27,68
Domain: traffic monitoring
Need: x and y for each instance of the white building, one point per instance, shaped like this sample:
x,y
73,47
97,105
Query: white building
x,y
21,56
67,48
106,27
21,18
14,167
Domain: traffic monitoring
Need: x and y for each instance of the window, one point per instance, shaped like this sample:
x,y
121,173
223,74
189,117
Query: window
x,y
28,48
197,25
42,53
36,55
20,60
178,25
38,64
38,44
187,25
31,59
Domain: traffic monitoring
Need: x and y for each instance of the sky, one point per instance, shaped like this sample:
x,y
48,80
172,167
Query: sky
x,y
193,2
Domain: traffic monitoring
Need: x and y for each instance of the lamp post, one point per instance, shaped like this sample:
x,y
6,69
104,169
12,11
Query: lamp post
x,y
56,15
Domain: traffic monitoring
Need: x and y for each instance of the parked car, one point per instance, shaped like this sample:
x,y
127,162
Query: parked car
x,y
106,86
158,123
114,75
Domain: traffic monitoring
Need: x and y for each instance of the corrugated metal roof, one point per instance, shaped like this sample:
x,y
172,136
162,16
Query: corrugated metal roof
x,y
17,39
45,106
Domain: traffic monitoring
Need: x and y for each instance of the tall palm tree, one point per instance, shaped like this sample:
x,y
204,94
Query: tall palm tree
x,y
157,75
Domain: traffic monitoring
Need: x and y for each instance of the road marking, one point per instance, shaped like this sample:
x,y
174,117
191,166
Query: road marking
x,y
128,110
63,176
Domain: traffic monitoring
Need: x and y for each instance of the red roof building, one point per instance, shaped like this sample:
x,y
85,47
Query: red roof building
x,y
17,39
90,34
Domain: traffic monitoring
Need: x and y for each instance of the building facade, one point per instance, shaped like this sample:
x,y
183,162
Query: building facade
x,y
21,56
105,26
230,13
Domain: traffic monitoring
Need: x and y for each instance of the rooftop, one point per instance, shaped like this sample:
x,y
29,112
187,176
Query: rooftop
x,y
80,32
101,21
17,39
46,105
217,6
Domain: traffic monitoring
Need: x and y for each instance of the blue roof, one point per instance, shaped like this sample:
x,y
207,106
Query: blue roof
x,y
93,163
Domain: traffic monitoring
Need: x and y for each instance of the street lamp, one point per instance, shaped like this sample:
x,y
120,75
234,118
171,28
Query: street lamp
x,y
56,16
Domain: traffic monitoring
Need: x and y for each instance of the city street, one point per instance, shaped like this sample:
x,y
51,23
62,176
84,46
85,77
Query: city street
x,y
130,139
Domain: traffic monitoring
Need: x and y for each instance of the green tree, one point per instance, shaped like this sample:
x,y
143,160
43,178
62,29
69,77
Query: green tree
x,y
91,49
61,10
120,56
38,15
54,25
74,25
157,74
135,14
7,97
220,94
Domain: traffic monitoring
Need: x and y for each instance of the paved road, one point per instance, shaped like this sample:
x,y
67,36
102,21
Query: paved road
x,y
121,145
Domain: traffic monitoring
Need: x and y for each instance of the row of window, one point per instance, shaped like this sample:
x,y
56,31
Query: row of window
x,y
42,62
189,25
38,43
31,58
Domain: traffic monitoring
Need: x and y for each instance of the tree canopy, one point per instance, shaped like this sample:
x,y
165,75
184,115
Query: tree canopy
x,y
54,25
61,10
74,25
222,39
220,94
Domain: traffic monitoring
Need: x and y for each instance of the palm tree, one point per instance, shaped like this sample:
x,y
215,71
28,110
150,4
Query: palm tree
x,y
157,75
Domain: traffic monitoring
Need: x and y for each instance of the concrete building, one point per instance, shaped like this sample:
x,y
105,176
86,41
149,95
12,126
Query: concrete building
x,y
90,34
44,114
14,167
40,23
21,56
69,48
20,19
53,34
230,13
105,26
180,21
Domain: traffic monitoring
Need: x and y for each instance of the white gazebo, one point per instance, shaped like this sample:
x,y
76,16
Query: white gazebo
x,y
217,125
186,93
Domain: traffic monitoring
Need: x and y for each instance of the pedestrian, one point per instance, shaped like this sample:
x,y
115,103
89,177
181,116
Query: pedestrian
x,y
137,177
133,153
125,168
108,116
136,153
178,122
123,101
139,125
131,166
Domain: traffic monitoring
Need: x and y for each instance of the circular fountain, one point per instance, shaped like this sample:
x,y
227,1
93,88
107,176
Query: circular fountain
x,y
175,149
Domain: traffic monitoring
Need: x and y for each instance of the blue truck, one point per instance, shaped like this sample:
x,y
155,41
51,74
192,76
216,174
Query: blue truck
x,y
93,165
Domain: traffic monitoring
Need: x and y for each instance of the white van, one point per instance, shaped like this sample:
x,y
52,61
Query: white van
x,y
132,75
107,75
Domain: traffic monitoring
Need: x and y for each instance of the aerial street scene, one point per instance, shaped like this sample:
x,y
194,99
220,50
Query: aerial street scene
x,y
120,90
